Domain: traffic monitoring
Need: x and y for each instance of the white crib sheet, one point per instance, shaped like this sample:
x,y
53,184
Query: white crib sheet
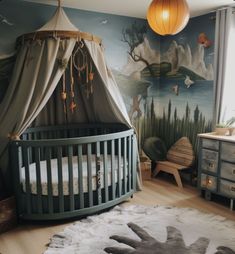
x,y
65,173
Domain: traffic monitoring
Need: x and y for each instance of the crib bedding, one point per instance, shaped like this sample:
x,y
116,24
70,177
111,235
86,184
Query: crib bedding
x,y
65,174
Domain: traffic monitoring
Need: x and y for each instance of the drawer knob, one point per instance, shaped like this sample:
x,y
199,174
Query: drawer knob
x,y
211,165
208,181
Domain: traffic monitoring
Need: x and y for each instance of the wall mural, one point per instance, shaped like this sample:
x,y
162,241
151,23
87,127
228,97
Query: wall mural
x,y
179,101
166,82
173,95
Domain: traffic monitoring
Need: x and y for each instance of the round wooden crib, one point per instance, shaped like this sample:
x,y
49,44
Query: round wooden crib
x,y
69,171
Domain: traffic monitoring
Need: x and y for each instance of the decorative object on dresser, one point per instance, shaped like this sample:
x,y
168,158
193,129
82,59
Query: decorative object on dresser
x,y
159,229
217,166
179,157
226,128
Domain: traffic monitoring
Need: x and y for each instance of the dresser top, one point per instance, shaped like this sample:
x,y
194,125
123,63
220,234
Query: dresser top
x,y
212,135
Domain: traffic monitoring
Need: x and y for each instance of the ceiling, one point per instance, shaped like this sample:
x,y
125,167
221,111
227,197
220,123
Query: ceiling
x,y
135,8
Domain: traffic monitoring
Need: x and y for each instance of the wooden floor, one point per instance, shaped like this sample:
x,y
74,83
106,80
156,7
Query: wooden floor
x,y
32,239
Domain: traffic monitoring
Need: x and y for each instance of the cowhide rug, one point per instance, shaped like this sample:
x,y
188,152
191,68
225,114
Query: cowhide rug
x,y
147,230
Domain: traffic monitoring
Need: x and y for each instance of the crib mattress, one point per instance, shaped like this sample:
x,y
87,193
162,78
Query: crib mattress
x,y
65,174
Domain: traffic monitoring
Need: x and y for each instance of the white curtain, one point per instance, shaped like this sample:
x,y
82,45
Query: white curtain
x,y
36,74
224,65
116,103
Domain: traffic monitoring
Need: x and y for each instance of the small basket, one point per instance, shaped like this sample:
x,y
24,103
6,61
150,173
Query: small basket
x,y
222,131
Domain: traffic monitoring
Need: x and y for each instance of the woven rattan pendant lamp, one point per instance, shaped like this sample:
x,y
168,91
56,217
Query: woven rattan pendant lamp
x,y
168,17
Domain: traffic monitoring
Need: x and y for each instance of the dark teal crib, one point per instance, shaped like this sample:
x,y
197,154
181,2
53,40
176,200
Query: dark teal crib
x,y
69,171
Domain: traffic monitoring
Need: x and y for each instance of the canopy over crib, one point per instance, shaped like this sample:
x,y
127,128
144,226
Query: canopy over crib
x,y
59,59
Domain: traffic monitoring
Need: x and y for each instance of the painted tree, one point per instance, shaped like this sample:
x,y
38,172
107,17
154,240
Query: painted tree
x,y
187,112
196,114
134,36
169,111
175,115
152,110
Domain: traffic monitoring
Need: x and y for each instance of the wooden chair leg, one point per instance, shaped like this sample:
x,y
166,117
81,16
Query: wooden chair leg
x,y
156,170
177,178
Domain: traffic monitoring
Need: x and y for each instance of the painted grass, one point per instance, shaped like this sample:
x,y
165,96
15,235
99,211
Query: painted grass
x,y
170,127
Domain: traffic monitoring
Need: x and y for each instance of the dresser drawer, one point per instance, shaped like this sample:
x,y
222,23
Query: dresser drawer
x,y
228,151
209,182
227,188
209,160
227,171
211,144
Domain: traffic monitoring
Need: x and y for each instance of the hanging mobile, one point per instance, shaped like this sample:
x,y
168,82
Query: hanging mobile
x,y
63,93
79,55
72,105
91,77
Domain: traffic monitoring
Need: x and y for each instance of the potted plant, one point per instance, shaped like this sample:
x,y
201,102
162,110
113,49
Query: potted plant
x,y
226,128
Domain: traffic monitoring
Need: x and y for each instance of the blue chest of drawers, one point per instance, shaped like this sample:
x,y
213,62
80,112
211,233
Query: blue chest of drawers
x,y
216,166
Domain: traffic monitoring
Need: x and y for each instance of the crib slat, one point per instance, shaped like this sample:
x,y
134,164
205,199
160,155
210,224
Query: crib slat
x,y
49,180
34,136
124,167
39,183
98,173
27,179
106,172
134,165
80,177
30,149
89,171
113,169
129,163
60,179
119,169
70,165
16,156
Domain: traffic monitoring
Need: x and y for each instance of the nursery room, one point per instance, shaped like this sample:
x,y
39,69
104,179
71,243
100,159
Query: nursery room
x,y
117,127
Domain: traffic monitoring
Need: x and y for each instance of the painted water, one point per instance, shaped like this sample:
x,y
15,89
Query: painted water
x,y
198,94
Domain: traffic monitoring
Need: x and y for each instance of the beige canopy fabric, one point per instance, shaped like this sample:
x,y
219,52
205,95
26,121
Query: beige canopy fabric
x,y
34,79
59,22
40,64
117,106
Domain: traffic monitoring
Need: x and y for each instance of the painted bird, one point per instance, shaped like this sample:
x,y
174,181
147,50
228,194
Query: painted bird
x,y
204,40
188,82
175,89
5,21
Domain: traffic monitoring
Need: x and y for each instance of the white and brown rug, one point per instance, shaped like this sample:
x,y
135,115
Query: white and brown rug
x,y
147,230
